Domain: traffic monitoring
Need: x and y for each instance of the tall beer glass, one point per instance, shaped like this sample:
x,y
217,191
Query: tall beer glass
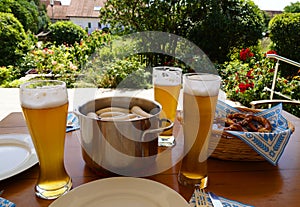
x,y
45,108
167,84
200,94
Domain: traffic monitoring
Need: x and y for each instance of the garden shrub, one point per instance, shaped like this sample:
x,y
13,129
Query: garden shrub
x,y
5,73
292,8
284,33
249,72
246,75
25,11
13,40
97,39
66,32
60,61
115,64
125,73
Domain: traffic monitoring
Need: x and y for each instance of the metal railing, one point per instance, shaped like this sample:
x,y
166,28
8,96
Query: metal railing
x,y
279,58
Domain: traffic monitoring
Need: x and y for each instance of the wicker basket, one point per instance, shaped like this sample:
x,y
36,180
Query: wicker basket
x,y
229,147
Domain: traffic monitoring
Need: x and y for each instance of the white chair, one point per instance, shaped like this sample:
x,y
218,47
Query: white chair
x,y
271,101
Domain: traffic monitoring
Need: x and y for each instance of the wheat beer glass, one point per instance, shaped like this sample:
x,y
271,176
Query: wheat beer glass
x,y
200,94
45,107
167,84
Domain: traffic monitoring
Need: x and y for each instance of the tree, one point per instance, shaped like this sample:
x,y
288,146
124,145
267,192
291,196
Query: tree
x,y
31,13
214,25
13,39
292,8
171,16
66,32
227,24
25,11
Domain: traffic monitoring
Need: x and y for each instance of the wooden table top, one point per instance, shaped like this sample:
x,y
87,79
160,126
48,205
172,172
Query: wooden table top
x,y
254,183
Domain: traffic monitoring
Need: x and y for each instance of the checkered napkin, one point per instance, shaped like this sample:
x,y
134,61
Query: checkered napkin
x,y
268,145
6,203
72,122
224,201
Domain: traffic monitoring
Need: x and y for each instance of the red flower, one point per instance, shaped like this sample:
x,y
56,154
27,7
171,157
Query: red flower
x,y
242,87
251,85
249,74
245,54
272,52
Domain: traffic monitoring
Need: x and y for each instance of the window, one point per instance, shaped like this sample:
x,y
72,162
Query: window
x,y
89,25
97,8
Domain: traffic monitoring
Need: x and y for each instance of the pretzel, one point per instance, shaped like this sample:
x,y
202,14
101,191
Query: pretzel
x,y
247,122
266,125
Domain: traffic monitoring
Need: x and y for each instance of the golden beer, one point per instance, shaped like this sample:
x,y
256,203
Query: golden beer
x,y
167,84
167,96
46,123
198,116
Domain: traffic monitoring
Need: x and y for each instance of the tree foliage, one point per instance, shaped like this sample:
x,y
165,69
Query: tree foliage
x,y
143,15
284,33
13,39
228,24
215,26
292,8
25,11
66,32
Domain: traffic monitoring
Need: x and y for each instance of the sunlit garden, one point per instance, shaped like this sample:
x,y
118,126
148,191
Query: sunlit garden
x,y
235,34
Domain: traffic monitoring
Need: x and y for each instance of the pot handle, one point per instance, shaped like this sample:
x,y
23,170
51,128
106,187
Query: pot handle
x,y
158,130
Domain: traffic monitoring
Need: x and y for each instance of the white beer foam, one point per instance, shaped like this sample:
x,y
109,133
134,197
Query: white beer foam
x,y
170,76
202,85
44,97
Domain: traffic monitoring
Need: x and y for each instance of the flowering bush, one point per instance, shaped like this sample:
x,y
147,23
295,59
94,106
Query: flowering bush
x,y
246,54
249,72
56,60
63,61
113,66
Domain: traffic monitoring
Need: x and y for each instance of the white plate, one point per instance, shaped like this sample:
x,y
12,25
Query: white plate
x,y
17,154
121,191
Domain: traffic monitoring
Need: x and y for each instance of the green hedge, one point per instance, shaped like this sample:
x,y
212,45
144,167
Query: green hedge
x,y
12,39
284,33
66,32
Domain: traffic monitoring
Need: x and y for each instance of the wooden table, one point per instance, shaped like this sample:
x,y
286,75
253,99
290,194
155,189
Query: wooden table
x,y
255,183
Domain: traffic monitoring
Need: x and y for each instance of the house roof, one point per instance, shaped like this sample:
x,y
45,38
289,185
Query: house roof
x,y
77,8
85,8
59,12
47,2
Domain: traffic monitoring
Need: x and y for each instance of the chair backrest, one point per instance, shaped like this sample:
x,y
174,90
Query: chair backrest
x,y
272,89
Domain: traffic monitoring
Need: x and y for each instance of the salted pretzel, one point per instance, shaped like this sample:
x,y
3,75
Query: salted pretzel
x,y
247,122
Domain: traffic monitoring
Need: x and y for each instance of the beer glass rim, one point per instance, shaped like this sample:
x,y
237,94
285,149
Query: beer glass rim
x,y
163,68
212,77
54,84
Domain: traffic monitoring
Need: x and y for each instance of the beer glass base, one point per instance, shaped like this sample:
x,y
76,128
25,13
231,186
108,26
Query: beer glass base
x,y
183,180
166,141
53,193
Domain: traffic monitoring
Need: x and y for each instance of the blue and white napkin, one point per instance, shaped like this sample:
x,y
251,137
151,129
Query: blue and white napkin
x,y
268,145
72,122
6,203
224,201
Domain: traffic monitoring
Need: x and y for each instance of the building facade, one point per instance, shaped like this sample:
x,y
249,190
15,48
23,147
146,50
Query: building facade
x,y
84,13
